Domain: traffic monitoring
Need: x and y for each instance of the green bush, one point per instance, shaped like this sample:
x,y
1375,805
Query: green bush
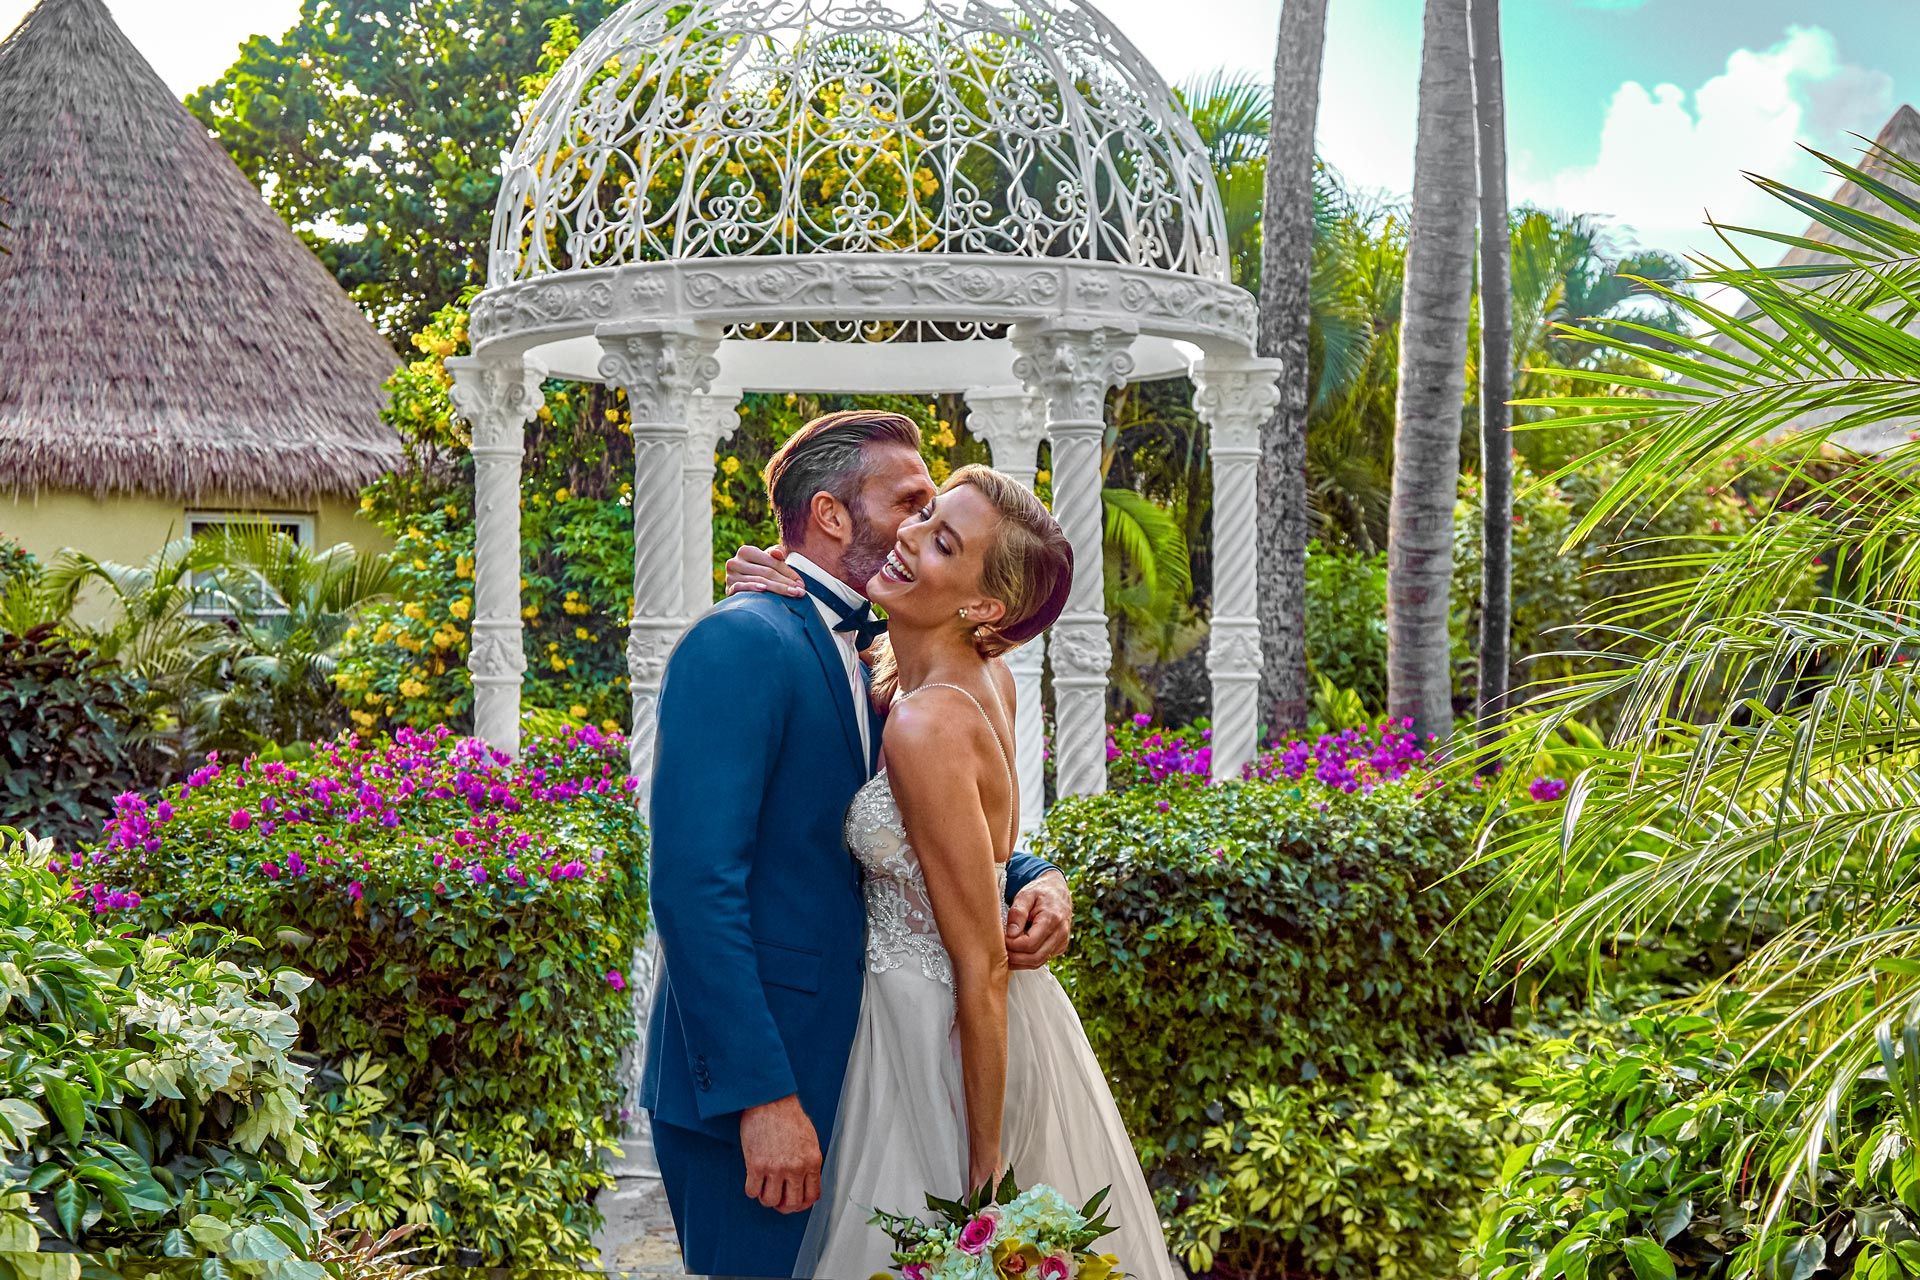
x,y
1346,621
467,919
150,1115
1650,1164
1263,934
1379,1178
71,741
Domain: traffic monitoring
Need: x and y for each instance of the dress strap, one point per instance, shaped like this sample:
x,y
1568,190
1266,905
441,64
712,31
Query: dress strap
x,y
1006,759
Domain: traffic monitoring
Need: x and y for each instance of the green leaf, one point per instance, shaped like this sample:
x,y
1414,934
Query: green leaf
x,y
68,1108
1648,1260
257,1243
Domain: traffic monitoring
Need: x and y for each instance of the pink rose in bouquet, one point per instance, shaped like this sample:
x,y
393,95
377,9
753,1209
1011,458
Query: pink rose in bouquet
x,y
977,1234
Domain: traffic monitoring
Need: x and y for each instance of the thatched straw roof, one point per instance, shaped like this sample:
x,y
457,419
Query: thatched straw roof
x,y
1901,136
161,330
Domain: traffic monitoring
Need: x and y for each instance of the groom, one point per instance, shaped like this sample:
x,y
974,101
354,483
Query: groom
x,y
765,733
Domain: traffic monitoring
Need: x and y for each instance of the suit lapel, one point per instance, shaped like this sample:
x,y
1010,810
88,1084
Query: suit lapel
x,y
832,667
875,724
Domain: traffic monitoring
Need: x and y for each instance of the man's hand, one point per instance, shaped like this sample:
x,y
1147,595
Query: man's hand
x,y
1039,921
751,569
783,1155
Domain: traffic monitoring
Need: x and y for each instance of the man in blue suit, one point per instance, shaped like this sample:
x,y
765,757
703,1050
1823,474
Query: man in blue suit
x,y
765,733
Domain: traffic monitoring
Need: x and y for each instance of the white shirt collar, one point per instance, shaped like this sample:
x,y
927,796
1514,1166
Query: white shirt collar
x,y
847,594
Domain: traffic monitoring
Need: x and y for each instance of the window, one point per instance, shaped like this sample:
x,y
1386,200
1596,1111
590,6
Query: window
x,y
202,524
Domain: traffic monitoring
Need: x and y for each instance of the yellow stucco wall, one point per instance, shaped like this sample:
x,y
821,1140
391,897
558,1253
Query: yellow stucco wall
x,y
131,528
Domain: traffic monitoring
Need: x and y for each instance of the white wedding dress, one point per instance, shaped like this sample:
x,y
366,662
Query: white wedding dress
x,y
902,1128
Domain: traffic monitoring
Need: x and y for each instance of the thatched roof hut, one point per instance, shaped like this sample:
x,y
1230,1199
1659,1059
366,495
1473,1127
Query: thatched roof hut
x,y
162,332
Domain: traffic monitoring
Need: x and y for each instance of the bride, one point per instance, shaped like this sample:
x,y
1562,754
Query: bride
x,y
961,1069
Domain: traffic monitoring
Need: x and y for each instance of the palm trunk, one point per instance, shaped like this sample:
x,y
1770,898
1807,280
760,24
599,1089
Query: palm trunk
x,y
1285,275
1432,389
1496,368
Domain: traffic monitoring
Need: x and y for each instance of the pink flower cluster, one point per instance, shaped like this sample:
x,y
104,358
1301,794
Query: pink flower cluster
x,y
1353,760
498,825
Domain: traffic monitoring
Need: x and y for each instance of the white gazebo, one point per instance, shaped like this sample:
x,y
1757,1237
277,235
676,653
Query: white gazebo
x,y
999,198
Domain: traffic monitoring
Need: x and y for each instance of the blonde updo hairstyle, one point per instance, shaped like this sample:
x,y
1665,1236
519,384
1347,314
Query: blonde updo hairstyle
x,y
1028,568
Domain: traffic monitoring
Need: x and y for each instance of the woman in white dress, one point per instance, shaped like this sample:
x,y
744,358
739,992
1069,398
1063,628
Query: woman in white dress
x,y
960,1068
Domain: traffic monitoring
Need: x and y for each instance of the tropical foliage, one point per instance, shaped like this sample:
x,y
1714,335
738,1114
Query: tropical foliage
x,y
468,920
150,1109
1766,730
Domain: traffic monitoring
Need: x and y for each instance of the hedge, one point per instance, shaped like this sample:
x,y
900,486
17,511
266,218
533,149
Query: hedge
x,y
1262,933
68,745
467,919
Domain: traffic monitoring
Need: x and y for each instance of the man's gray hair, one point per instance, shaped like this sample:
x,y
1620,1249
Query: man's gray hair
x,y
828,455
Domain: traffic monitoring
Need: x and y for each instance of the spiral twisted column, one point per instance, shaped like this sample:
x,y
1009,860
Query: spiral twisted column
x,y
711,418
1235,396
495,397
662,368
1013,426
1070,368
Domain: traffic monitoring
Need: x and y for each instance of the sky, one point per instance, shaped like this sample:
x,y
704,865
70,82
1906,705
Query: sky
x,y
1644,111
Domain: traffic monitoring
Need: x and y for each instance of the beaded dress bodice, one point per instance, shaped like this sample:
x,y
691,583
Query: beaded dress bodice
x,y
901,928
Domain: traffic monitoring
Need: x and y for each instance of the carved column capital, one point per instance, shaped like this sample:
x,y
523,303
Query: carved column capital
x,y
711,418
1236,397
1072,367
1013,424
496,397
661,367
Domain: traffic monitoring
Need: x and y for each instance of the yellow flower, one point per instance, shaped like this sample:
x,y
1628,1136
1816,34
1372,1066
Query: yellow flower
x,y
730,465
463,566
1008,1249
419,564
415,610
529,612
562,494
412,688
609,726
577,711
461,607
1099,1267
580,633
1043,476
362,719
366,502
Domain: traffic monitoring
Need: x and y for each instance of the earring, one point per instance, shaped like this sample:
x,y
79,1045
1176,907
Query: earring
x,y
963,613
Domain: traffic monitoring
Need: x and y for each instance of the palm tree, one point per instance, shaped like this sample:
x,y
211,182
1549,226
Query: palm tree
x,y
1286,283
1496,365
291,607
1432,378
1770,720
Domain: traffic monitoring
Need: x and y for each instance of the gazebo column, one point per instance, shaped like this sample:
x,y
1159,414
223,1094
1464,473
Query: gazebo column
x,y
1235,396
661,367
1070,367
1011,423
711,419
496,396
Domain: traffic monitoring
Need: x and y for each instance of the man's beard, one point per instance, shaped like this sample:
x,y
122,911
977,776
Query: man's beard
x,y
866,553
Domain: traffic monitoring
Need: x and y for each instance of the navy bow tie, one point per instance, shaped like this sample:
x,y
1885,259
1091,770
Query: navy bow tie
x,y
855,619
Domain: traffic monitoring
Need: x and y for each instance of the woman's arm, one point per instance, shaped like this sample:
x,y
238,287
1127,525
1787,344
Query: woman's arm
x,y
751,569
936,782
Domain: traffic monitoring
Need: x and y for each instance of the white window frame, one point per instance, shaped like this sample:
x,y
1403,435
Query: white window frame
x,y
300,524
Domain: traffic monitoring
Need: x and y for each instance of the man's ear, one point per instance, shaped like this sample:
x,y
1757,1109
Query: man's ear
x,y
829,517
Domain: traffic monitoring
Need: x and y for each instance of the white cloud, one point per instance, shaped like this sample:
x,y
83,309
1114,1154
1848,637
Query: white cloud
x,y
1669,158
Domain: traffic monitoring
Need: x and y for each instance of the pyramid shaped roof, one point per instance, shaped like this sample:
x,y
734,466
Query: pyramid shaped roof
x,y
162,331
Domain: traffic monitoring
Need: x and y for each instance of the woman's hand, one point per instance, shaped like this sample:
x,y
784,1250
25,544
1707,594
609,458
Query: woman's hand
x,y
984,1173
751,569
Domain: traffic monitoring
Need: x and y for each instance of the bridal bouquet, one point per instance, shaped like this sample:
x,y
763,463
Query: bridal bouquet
x,y
1002,1233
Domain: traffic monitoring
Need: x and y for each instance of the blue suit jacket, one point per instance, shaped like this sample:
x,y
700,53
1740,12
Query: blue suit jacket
x,y
754,894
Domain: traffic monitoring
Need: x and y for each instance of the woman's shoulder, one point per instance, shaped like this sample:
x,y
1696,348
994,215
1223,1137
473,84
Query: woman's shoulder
x,y
932,723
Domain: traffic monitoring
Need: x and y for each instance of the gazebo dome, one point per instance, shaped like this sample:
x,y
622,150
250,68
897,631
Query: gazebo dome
x,y
995,198
1025,128
865,173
